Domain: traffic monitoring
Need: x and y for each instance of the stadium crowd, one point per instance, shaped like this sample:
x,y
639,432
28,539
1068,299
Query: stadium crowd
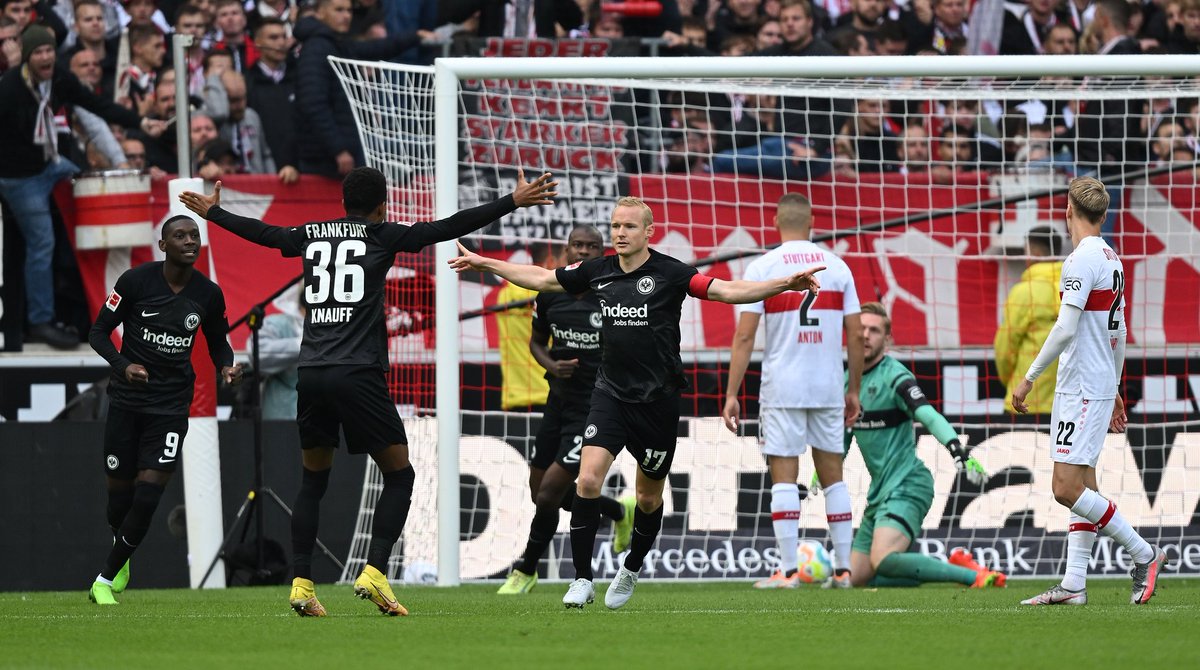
x,y
265,59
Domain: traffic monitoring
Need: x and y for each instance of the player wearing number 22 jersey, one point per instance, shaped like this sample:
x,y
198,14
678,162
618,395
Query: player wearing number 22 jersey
x,y
1088,338
343,355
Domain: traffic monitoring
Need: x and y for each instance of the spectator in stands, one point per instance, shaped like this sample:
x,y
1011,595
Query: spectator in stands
x,y
287,11
521,18
865,142
947,32
738,45
1030,311
29,97
796,27
851,43
1061,40
143,13
1170,144
769,34
27,12
690,42
20,11
326,132
90,34
1024,33
271,91
608,26
201,130
916,157
956,150
367,17
279,351
135,153
965,115
160,150
243,128
217,159
191,20
231,22
863,19
10,44
891,39
688,149
146,51
736,17
1186,38
90,129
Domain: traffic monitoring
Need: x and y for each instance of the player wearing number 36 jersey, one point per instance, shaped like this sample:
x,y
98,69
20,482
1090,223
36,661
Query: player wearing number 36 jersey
x,y
343,355
1090,337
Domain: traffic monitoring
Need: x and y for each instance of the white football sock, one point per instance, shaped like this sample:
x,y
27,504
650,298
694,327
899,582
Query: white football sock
x,y
785,517
841,524
1103,512
102,580
1080,539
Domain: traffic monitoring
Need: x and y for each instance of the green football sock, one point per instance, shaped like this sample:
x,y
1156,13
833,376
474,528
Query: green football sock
x,y
924,569
892,582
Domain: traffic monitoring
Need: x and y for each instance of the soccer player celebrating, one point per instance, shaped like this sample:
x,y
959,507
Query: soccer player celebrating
x,y
571,362
161,305
343,355
901,491
635,404
1090,337
804,333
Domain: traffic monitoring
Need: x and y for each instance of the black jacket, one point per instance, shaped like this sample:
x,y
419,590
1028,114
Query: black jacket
x,y
275,103
18,117
325,126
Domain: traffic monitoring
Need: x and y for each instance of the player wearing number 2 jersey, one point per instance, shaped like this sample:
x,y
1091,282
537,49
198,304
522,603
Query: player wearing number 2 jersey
x,y
1090,337
343,355
804,341
635,404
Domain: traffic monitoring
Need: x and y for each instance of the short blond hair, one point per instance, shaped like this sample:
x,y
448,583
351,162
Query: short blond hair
x,y
633,201
878,309
1088,198
794,211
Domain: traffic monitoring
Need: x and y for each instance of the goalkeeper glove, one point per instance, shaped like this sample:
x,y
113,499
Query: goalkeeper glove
x,y
964,462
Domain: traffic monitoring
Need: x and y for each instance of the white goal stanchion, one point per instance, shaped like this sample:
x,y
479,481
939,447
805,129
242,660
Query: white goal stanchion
x,y
926,174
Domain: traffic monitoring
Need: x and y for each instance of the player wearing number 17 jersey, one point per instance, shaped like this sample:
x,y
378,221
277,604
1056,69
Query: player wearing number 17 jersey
x,y
1090,337
343,355
635,403
802,398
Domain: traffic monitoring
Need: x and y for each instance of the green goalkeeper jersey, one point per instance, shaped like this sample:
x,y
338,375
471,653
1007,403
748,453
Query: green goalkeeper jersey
x,y
891,399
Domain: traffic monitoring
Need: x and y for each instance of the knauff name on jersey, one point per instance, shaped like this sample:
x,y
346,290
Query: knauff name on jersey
x,y
331,314
335,229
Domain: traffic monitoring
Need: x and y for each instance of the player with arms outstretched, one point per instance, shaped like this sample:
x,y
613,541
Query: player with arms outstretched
x,y
901,490
565,340
1088,339
804,337
161,305
635,404
343,355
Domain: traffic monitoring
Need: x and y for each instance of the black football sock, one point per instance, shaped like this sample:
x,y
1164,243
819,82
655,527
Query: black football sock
x,y
306,514
541,532
391,511
133,528
585,518
119,502
645,532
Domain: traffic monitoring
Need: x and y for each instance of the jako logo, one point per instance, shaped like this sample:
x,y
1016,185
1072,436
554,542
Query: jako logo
x,y
165,339
619,311
1062,450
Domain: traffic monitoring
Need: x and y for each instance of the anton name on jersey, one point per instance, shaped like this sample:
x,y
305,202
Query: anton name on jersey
x,y
626,316
331,314
167,344
335,229
810,337
575,339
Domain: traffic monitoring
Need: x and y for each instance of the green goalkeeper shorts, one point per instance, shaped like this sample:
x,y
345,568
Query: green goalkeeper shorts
x,y
904,509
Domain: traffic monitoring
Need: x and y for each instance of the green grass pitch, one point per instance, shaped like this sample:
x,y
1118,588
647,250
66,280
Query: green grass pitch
x,y
719,625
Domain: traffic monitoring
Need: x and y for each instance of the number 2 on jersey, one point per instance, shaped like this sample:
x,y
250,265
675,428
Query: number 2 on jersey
x,y
805,305
347,282
1118,291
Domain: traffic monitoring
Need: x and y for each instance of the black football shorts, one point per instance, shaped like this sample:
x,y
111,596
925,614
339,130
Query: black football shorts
x,y
136,441
354,398
649,430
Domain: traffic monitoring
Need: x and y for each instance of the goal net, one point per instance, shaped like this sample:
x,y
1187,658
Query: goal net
x,y
928,176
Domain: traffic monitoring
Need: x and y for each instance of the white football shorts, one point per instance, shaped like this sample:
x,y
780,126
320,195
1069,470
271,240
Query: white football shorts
x,y
1078,426
787,431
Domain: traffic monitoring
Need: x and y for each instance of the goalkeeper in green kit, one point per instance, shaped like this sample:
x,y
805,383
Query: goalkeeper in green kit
x,y
901,489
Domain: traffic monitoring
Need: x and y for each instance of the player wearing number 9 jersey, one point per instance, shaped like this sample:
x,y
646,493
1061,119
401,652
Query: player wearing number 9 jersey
x,y
1090,337
343,354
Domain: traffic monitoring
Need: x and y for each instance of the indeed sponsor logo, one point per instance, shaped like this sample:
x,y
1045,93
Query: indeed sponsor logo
x,y
619,311
165,339
576,336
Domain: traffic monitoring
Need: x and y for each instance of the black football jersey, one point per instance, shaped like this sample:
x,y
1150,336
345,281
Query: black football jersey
x,y
573,324
160,330
346,262
640,314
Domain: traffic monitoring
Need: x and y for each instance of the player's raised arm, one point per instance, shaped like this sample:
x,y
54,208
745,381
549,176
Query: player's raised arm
x,y
532,277
741,291
540,191
209,208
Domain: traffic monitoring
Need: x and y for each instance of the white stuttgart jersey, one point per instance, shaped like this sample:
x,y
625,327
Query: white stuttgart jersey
x,y
1093,280
802,363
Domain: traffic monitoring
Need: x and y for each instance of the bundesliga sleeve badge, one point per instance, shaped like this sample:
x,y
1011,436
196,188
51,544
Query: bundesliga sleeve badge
x,y
114,299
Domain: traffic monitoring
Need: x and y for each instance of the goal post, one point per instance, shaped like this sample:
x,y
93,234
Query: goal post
x,y
939,242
